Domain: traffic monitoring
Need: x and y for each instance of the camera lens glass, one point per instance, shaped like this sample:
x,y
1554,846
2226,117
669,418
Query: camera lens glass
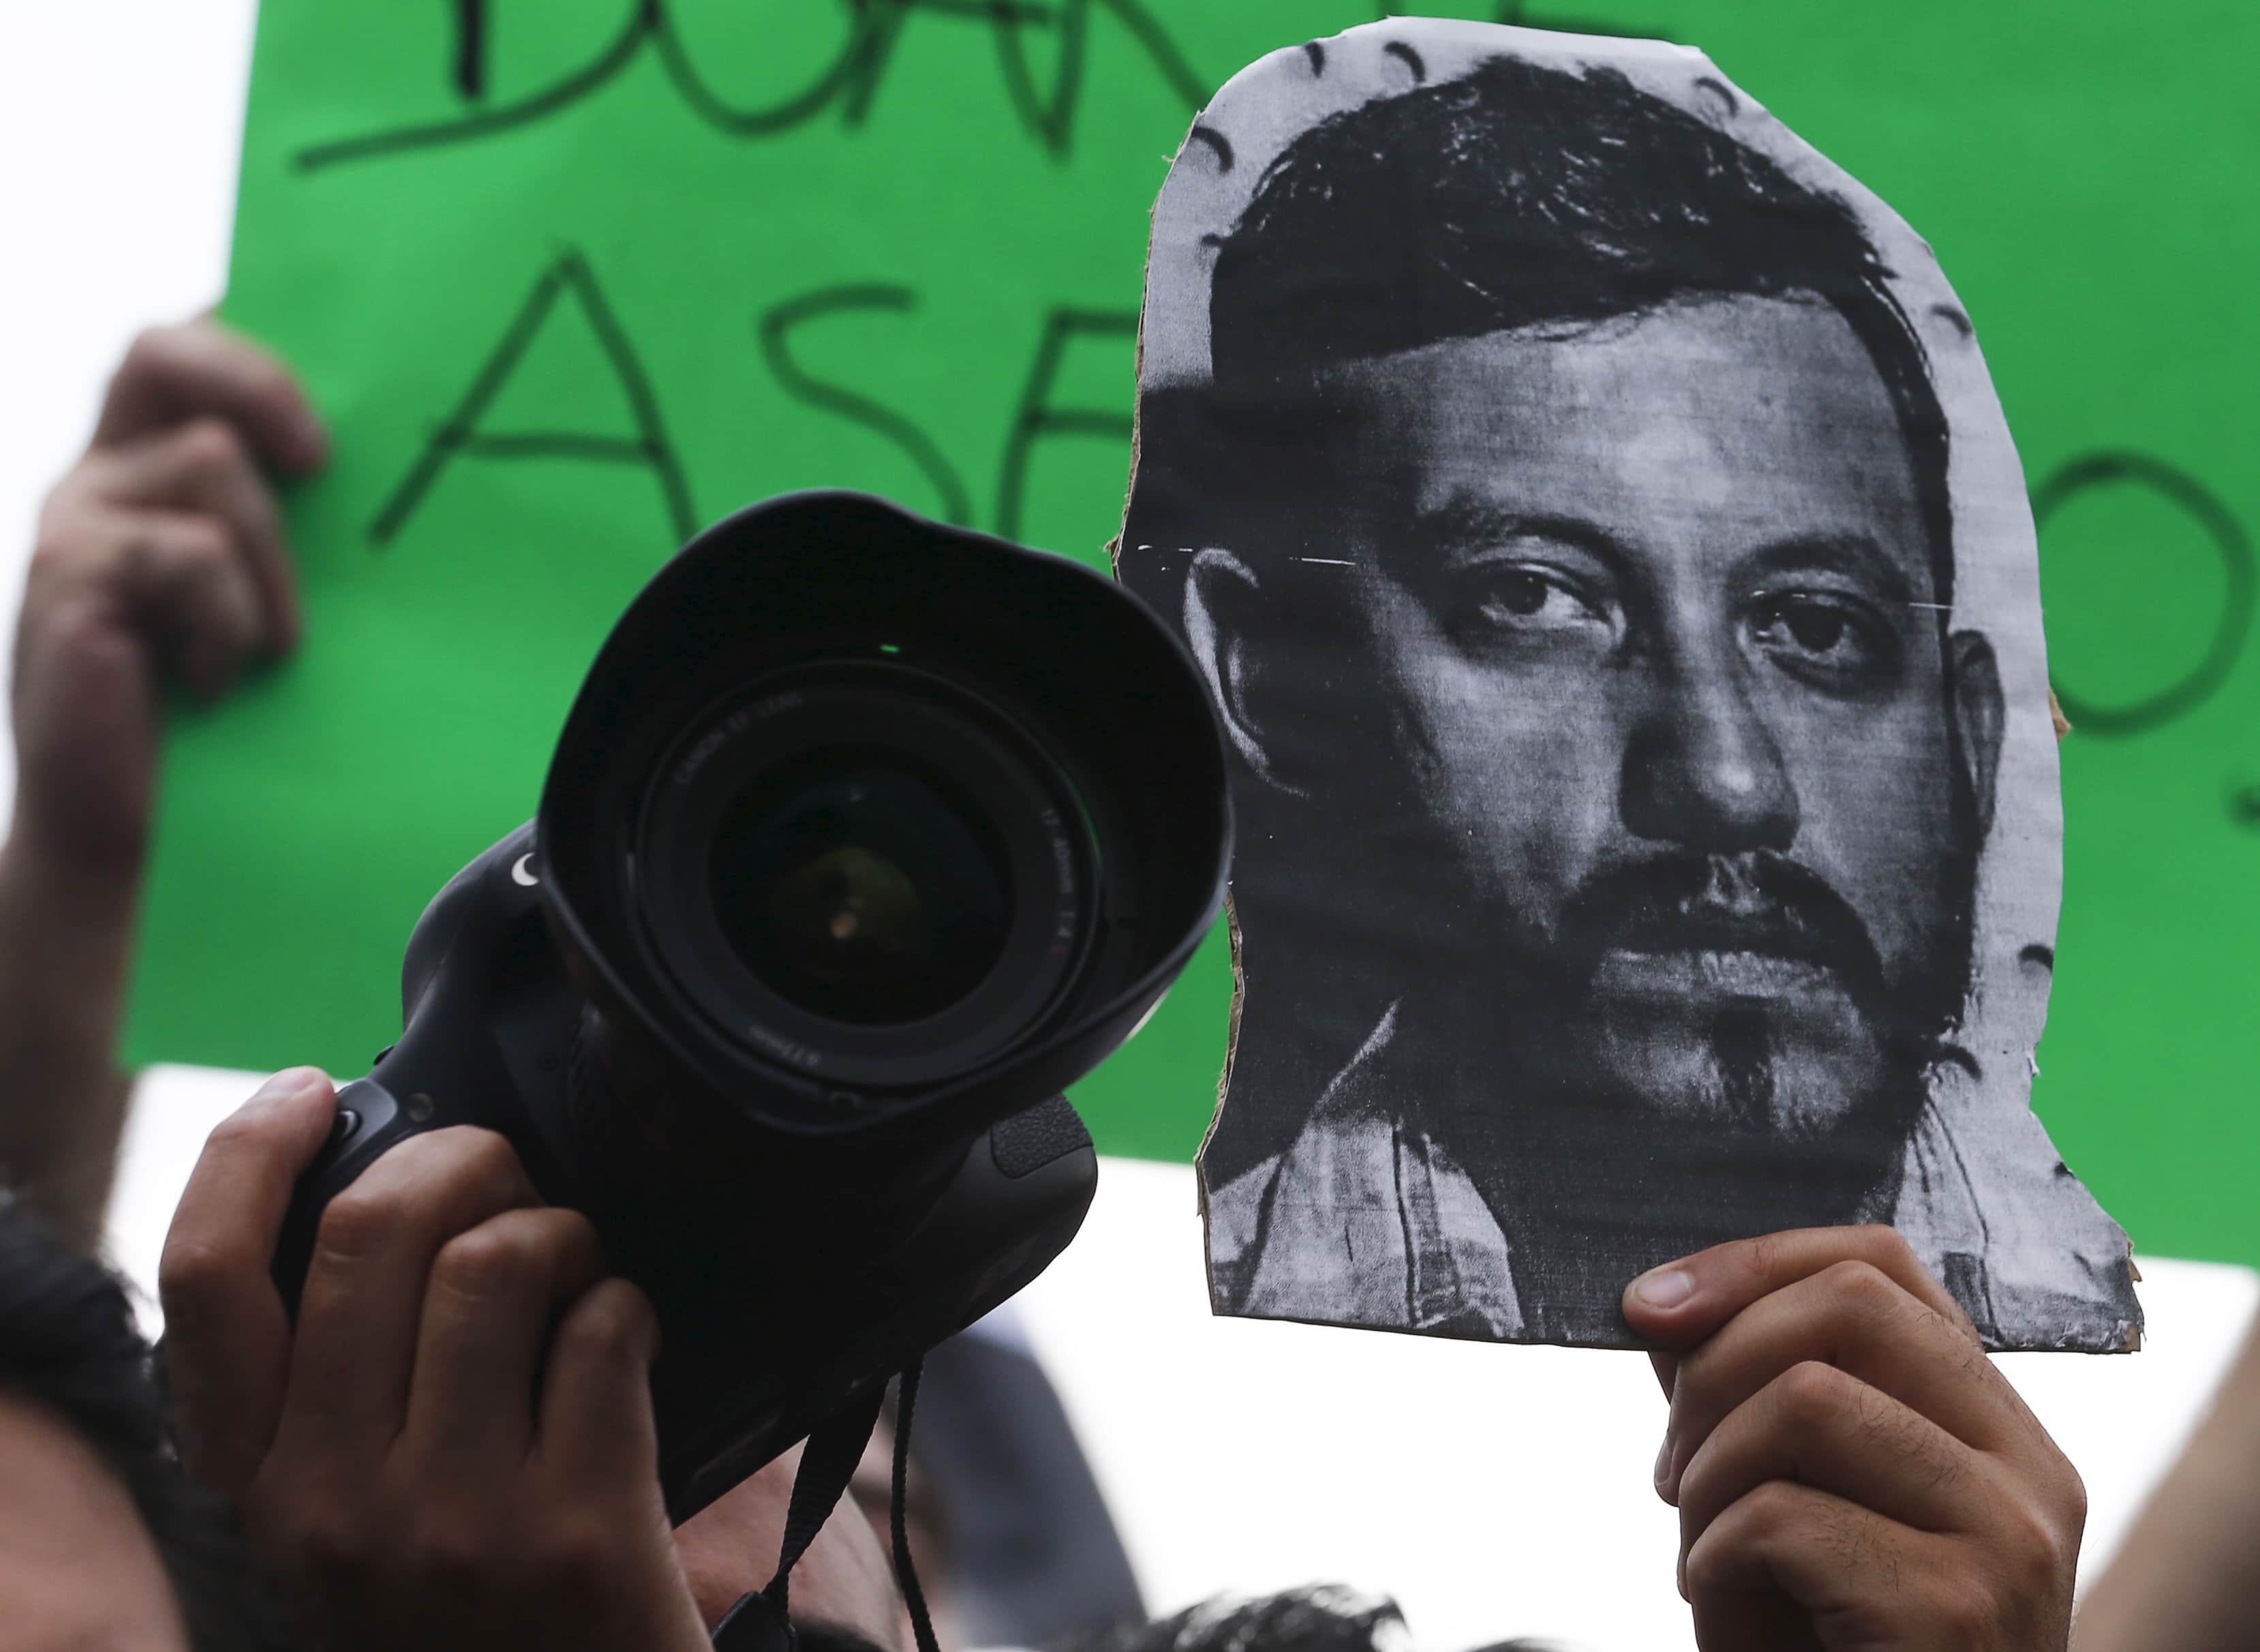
x,y
859,888
865,873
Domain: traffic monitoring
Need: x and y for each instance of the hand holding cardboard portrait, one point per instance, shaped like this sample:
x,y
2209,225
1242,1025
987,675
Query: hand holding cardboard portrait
x,y
1594,519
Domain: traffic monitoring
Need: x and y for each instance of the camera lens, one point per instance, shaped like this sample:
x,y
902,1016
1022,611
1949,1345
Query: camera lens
x,y
859,889
865,872
859,820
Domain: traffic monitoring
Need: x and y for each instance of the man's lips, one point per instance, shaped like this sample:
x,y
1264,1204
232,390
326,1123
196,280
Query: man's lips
x,y
1713,954
1711,973
1703,932
1702,927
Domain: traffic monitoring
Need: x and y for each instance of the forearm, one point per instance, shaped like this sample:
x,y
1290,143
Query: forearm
x,y
66,940
2188,1576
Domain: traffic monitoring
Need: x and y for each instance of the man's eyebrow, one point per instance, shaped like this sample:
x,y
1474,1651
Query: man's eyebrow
x,y
1465,524
1854,555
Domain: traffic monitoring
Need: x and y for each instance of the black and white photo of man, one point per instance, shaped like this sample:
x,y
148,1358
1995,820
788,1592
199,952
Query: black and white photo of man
x,y
1566,519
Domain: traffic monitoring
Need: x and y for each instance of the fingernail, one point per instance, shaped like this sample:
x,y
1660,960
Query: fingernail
x,y
1666,1288
1662,1462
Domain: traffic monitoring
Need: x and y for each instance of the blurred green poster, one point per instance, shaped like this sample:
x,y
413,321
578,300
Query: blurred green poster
x,y
571,280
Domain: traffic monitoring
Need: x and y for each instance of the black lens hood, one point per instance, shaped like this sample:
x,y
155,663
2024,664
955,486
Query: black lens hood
x,y
805,579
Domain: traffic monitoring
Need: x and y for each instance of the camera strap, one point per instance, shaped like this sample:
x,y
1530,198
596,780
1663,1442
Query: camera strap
x,y
760,1620
906,1574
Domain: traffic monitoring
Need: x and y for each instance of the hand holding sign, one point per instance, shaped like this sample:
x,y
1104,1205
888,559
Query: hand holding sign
x,y
1849,1469
160,564
160,560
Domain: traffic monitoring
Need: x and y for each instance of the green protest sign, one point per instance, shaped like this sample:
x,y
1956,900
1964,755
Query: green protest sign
x,y
572,280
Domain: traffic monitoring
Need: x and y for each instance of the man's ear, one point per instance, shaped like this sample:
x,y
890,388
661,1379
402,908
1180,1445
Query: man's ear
x,y
1221,594
1978,714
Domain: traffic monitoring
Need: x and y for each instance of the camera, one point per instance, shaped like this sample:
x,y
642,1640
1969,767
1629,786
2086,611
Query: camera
x,y
864,837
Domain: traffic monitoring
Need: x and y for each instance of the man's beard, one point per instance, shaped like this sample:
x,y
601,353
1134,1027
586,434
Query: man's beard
x,y
1709,1047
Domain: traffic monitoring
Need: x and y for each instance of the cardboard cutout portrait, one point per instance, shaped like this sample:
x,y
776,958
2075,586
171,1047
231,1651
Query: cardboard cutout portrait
x,y
1601,539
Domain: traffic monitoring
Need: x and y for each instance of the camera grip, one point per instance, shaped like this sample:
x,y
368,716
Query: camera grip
x,y
1045,1134
446,1068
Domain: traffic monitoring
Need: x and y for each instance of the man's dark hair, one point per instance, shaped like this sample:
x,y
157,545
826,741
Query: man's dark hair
x,y
68,1344
1521,195
1323,1618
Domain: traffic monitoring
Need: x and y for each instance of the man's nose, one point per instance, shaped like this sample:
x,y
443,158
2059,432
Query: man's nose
x,y
1702,771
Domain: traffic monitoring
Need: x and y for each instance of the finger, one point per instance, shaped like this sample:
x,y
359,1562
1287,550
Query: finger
x,y
194,598
184,587
227,1339
1815,1426
1666,1367
494,1293
1788,1564
1678,1305
204,466
1855,1318
1760,1617
596,1421
173,374
176,577
363,1299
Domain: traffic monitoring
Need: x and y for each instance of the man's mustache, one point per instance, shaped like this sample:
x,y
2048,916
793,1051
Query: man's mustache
x,y
1761,902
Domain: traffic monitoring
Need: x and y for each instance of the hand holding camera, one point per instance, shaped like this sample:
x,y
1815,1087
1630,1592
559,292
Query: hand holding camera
x,y
455,1448
864,838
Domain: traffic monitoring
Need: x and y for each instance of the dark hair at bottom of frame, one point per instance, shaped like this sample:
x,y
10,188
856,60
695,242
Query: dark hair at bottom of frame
x,y
69,1344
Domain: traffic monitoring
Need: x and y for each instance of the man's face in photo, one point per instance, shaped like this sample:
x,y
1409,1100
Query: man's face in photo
x,y
1653,611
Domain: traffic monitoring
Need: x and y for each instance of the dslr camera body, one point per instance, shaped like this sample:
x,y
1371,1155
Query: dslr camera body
x,y
864,838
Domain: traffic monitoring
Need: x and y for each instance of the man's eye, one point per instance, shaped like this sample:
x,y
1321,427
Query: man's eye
x,y
1533,598
1820,632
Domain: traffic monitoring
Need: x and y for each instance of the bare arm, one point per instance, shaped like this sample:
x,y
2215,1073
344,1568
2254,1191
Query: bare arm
x,y
64,947
2188,1577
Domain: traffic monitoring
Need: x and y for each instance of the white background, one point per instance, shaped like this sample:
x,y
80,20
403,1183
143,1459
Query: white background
x,y
1494,1491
